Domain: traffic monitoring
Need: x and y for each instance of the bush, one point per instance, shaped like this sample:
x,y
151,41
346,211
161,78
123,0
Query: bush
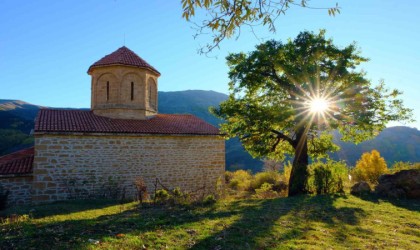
x,y
265,191
141,189
398,166
370,167
265,177
209,200
286,172
328,177
241,180
161,196
228,176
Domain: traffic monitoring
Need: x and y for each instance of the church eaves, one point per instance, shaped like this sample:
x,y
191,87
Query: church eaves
x,y
80,121
123,56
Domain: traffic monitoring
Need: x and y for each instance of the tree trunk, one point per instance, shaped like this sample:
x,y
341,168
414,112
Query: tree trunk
x,y
299,175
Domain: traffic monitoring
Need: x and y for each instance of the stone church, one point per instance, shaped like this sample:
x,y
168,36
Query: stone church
x,y
80,154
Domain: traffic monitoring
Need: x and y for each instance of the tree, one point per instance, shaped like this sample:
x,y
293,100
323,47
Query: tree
x,y
370,167
286,98
224,18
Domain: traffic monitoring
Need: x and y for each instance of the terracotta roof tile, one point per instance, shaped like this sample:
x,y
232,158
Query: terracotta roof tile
x,y
123,56
52,120
19,162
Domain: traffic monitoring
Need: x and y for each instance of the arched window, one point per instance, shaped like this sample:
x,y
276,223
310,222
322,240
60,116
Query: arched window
x,y
132,90
152,93
107,90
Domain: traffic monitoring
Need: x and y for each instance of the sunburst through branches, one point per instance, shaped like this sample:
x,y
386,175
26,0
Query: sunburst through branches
x,y
318,105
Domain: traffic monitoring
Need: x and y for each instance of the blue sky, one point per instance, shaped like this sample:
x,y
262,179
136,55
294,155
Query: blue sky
x,y
46,47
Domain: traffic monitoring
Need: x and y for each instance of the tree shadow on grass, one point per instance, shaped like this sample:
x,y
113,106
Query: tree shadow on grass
x,y
278,222
58,208
409,204
80,233
246,224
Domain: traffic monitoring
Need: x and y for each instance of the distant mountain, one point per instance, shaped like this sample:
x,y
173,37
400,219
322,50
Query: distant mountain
x,y
394,144
18,108
196,102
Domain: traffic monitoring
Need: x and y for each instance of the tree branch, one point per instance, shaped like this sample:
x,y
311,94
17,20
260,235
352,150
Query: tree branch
x,y
281,136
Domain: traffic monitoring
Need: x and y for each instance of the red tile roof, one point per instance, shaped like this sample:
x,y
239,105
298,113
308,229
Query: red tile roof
x,y
17,163
52,120
123,56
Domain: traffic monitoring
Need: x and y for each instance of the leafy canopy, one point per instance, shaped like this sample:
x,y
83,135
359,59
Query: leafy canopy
x,y
225,18
273,88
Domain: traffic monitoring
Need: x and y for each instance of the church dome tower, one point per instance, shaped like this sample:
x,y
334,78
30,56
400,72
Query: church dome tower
x,y
124,86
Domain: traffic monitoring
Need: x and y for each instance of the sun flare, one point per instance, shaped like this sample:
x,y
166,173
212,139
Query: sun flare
x,y
318,105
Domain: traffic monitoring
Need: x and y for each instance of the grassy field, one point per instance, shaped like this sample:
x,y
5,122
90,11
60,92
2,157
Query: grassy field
x,y
305,222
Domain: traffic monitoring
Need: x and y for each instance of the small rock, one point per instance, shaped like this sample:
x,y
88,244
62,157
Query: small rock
x,y
360,188
93,241
191,231
120,235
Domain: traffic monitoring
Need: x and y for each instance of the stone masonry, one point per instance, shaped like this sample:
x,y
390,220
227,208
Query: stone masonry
x,y
63,163
20,188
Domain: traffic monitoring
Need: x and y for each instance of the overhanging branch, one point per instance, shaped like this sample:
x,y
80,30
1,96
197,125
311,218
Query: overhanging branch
x,y
281,136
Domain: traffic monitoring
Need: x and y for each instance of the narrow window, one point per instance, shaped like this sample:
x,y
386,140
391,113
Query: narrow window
x,y
150,94
132,90
107,91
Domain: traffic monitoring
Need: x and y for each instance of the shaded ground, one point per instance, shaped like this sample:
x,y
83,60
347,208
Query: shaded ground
x,y
315,222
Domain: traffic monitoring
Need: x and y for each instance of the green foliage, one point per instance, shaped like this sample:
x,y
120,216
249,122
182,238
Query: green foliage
x,y
370,167
287,171
271,177
327,177
263,110
265,191
271,91
398,166
209,200
161,196
242,184
10,138
225,18
241,180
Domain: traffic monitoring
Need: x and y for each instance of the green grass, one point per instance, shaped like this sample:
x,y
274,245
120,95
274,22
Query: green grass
x,y
305,222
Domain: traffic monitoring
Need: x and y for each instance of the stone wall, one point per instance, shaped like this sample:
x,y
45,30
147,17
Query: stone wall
x,y
20,189
75,166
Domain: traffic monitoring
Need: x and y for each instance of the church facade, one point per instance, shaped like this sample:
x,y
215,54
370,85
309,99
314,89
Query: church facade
x,y
103,151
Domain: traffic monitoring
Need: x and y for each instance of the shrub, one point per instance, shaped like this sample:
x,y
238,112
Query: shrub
x,y
398,166
286,172
161,196
141,189
370,167
265,191
328,177
209,200
241,180
228,176
265,177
